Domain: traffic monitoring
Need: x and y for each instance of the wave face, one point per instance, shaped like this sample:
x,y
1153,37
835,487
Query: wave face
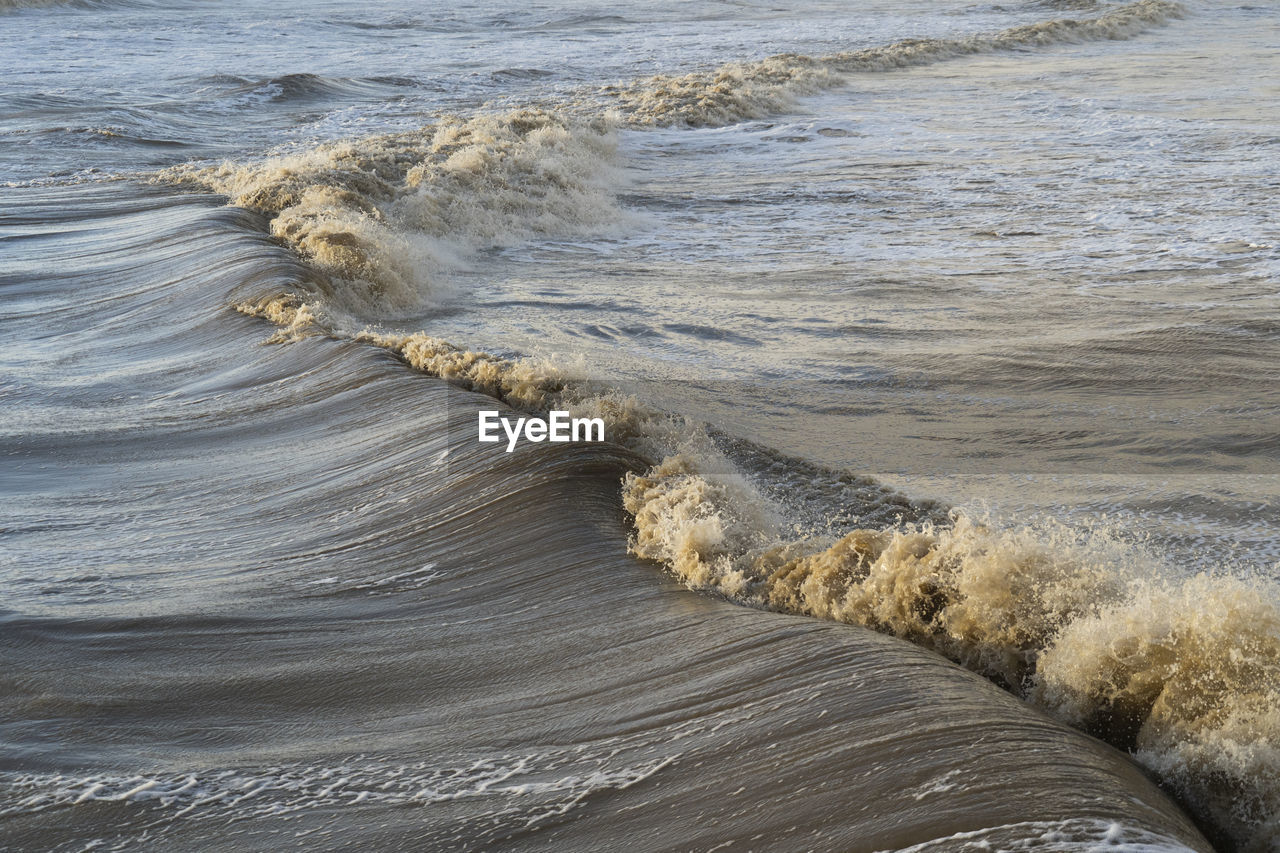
x,y
401,638
267,593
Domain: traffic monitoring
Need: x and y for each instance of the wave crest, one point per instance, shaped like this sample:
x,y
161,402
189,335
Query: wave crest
x,y
1183,673
1189,676
749,90
388,216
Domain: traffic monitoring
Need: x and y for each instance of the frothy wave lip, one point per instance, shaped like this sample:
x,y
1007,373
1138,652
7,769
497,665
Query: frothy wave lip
x,y
1185,674
751,90
388,217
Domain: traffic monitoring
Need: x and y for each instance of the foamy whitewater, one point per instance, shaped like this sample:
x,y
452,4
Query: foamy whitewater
x,y
935,344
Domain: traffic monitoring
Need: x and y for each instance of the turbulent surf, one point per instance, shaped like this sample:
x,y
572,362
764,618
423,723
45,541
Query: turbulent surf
x,y
934,348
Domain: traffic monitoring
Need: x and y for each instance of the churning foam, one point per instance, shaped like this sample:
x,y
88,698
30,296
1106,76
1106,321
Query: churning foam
x,y
748,90
1187,674
387,216
1184,672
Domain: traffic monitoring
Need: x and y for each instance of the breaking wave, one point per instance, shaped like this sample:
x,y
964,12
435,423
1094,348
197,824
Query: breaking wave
x,y
748,90
388,216
1182,672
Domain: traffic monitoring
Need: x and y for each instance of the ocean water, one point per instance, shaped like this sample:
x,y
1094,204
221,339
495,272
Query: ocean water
x,y
936,344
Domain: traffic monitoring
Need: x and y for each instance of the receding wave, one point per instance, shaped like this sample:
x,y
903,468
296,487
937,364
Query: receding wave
x,y
746,90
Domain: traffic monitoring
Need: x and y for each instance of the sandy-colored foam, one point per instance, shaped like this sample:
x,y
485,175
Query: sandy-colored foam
x,y
387,217
749,90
